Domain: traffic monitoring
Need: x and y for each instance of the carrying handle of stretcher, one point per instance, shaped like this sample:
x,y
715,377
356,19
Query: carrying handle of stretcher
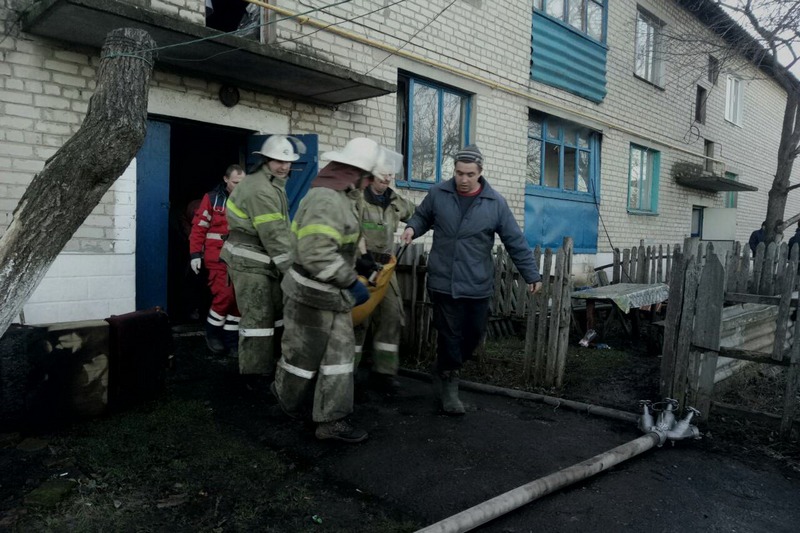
x,y
401,252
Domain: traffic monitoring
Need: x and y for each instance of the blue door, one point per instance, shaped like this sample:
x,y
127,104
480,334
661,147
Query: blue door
x,y
304,170
152,216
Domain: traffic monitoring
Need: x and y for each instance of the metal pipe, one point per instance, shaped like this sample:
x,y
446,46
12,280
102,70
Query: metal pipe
x,y
524,395
513,499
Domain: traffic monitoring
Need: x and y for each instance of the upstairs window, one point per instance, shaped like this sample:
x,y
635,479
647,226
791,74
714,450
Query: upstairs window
x,y
643,170
433,125
562,155
585,16
700,105
649,48
713,69
733,100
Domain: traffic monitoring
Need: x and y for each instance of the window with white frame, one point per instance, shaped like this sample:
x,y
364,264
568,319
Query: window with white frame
x,y
649,48
643,170
734,96
433,125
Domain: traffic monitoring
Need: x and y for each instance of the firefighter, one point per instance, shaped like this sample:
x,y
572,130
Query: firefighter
x,y
383,208
209,229
258,253
321,288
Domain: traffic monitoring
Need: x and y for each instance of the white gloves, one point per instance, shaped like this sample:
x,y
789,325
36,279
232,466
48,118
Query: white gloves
x,y
195,264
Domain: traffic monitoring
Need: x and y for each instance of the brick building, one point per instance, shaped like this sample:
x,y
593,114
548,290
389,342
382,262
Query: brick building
x,y
582,110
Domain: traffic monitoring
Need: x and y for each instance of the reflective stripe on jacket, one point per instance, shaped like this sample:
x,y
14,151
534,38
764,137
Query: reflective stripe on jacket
x,y
379,221
258,209
208,226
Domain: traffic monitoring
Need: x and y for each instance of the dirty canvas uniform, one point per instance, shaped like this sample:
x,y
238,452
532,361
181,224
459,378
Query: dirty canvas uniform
x,y
318,345
258,253
379,218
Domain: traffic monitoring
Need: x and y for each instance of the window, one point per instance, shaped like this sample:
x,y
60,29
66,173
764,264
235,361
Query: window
x,y
586,16
733,100
697,221
700,105
731,197
709,150
434,125
648,64
562,155
643,180
713,69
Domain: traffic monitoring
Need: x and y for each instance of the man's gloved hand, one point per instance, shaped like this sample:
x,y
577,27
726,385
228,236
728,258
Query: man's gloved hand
x,y
359,292
366,265
195,264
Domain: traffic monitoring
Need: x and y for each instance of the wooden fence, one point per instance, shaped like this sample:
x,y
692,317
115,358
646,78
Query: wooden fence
x,y
643,264
699,289
546,316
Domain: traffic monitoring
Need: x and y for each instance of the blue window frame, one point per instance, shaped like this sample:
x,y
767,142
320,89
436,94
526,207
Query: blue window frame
x,y
434,125
563,158
585,16
643,170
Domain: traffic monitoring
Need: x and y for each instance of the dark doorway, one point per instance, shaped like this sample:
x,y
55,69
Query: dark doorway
x,y
199,155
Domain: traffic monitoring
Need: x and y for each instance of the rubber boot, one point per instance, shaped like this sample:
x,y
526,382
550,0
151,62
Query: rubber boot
x,y
230,339
214,339
451,405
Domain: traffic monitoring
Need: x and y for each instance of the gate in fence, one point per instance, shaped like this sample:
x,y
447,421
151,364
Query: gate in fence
x,y
546,316
700,289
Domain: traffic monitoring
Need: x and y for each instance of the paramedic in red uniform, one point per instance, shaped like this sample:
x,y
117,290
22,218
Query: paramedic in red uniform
x,y
209,228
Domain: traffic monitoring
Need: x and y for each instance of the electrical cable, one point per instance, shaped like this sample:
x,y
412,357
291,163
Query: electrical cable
x,y
412,37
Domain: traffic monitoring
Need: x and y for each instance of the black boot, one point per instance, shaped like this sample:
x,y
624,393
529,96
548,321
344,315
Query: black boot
x,y
214,339
451,405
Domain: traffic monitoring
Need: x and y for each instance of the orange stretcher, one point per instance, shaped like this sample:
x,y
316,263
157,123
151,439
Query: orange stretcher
x,y
376,292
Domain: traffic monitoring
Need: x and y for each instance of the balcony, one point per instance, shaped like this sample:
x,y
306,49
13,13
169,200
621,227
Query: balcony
x,y
228,59
713,179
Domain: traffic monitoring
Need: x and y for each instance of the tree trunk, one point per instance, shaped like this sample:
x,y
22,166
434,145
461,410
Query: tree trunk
x,y
74,180
787,152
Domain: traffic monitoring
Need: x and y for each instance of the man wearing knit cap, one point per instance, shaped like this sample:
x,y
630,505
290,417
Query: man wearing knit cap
x,y
465,213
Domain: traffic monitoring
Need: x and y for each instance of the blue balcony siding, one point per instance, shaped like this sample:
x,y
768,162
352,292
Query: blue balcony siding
x,y
567,59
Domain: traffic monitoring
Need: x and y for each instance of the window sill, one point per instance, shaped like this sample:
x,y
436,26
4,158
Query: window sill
x,y
415,185
737,124
648,82
550,192
642,213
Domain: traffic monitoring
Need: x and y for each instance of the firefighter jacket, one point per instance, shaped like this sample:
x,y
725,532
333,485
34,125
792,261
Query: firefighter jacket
x,y
258,221
325,234
379,218
209,228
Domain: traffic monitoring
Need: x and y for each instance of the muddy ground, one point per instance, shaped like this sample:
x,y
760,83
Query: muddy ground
x,y
215,454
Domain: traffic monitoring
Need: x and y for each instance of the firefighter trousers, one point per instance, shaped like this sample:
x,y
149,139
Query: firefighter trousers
x,y
318,350
386,323
260,301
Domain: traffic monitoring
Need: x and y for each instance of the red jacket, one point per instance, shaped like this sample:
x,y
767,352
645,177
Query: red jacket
x,y
209,227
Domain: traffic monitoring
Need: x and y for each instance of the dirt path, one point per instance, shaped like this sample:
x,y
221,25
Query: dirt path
x,y
417,467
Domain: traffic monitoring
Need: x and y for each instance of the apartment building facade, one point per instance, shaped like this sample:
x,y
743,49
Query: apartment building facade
x,y
588,113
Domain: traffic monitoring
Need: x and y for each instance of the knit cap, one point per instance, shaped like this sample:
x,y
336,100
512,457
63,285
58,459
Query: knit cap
x,y
470,154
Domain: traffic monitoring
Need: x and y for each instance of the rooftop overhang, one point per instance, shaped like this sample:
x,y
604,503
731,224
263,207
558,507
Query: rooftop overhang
x,y
713,183
228,59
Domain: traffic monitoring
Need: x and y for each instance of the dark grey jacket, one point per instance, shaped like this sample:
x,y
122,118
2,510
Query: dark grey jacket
x,y
460,262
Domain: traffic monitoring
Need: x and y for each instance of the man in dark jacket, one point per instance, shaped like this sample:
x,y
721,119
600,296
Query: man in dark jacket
x,y
465,213
757,237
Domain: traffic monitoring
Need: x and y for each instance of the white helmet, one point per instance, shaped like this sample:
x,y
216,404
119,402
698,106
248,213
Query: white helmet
x,y
359,152
387,163
278,147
